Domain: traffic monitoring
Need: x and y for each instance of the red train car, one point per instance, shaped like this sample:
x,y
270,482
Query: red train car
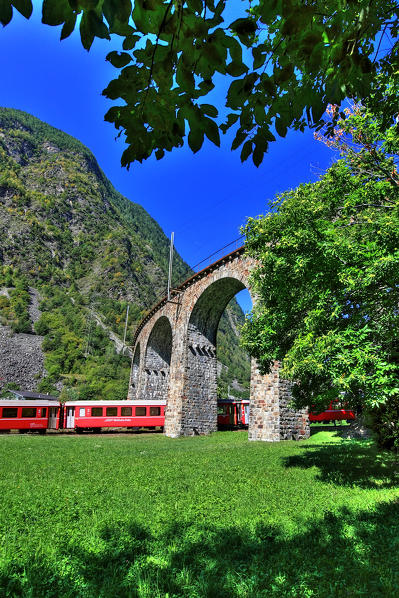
x,y
335,412
233,413
35,415
95,415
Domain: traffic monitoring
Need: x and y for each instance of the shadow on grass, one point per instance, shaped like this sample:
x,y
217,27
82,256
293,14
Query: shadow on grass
x,y
352,463
340,555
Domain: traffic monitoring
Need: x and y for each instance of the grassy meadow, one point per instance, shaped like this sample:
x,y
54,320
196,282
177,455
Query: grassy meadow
x,y
147,516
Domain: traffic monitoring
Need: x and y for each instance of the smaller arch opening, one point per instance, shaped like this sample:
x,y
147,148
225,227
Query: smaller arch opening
x,y
135,372
157,361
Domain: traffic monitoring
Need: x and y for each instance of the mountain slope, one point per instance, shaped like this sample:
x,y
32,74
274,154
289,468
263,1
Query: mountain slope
x,y
86,249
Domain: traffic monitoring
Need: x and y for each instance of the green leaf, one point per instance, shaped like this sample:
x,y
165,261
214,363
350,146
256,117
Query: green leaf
x,y
231,120
212,131
257,155
195,5
118,60
86,34
318,109
245,29
97,25
259,56
56,12
206,86
236,69
92,26
68,27
235,93
119,10
209,109
24,7
238,139
259,113
195,139
283,74
246,150
234,47
130,41
184,77
281,127
5,12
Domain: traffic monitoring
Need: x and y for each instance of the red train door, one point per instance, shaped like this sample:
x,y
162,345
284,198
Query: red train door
x,y
246,414
70,417
52,418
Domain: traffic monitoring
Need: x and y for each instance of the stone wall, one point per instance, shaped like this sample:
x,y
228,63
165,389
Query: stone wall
x,y
264,408
294,425
199,413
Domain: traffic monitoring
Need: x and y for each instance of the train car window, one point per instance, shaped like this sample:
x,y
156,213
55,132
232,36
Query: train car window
x,y
10,412
126,411
44,412
97,411
112,410
82,412
155,411
28,411
221,410
141,411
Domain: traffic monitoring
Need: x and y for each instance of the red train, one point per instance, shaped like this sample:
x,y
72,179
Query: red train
x,y
43,414
39,415
94,415
81,416
233,413
335,412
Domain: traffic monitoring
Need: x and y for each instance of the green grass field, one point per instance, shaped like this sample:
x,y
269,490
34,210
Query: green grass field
x,y
147,516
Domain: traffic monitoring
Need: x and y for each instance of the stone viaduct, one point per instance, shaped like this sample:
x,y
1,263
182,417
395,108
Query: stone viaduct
x,y
174,359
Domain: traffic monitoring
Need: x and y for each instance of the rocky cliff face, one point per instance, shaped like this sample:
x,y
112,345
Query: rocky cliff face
x,y
21,354
21,359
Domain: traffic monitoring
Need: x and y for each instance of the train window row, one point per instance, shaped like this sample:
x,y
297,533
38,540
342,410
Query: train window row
x,y
125,411
10,412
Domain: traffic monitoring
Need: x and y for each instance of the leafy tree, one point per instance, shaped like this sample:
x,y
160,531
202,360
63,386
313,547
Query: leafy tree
x,y
327,279
283,60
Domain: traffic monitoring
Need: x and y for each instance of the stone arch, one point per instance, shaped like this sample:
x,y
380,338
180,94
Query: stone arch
x,y
189,366
157,361
200,410
134,376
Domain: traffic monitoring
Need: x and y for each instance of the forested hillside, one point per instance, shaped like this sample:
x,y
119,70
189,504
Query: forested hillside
x,y
68,235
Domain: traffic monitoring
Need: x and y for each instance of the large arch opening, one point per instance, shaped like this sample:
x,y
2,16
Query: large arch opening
x,y
157,361
200,409
234,363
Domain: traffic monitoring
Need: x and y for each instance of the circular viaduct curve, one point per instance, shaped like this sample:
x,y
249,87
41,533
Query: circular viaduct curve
x,y
174,359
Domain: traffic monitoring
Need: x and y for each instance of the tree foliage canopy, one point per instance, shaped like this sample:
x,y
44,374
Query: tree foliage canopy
x,y
328,274
284,61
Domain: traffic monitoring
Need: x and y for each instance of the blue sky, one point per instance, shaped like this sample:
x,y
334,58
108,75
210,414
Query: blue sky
x,y
204,198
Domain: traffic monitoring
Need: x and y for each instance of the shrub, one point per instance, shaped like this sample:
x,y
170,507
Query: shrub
x,y
385,423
